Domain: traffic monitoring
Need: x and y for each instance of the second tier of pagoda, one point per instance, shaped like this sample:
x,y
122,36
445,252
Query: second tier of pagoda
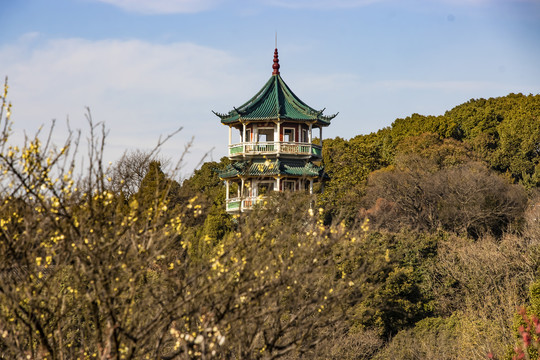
x,y
275,149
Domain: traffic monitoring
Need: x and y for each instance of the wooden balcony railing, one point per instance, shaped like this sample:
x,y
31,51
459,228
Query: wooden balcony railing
x,y
243,204
277,147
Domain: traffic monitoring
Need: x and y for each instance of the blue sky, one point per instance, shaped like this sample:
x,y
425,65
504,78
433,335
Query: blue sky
x,y
147,67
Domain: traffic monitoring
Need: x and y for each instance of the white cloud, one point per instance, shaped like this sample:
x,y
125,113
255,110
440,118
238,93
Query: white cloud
x,y
163,6
140,90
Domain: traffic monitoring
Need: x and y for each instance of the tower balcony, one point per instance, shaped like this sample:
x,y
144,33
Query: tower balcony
x,y
274,148
257,190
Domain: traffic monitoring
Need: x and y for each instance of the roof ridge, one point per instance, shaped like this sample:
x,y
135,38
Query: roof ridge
x,y
276,89
296,100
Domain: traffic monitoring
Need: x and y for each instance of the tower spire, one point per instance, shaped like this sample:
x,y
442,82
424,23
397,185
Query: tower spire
x,y
276,63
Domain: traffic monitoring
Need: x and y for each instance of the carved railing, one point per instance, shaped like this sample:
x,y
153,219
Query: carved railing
x,y
275,147
243,204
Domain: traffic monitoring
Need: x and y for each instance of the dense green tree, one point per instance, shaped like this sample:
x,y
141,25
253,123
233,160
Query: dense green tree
x,y
204,194
156,185
206,182
417,124
397,295
348,164
441,152
505,131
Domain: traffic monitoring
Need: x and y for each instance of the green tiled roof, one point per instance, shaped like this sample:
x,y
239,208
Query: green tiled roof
x,y
271,168
275,100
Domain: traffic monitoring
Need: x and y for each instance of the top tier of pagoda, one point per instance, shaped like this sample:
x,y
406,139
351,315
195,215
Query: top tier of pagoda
x,y
275,101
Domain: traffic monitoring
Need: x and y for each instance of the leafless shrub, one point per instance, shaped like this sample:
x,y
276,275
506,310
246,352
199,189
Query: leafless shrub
x,y
466,198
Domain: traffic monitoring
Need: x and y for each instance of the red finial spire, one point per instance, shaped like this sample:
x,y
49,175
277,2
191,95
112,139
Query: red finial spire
x,y
276,63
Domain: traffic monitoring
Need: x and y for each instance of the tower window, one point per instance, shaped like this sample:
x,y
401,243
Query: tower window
x,y
266,135
288,135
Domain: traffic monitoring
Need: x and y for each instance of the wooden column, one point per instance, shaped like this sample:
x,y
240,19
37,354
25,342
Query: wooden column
x,y
243,147
278,140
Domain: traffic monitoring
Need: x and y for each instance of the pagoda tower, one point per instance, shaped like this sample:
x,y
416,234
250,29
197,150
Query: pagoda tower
x,y
274,151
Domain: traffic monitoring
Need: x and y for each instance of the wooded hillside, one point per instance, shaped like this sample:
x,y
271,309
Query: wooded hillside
x,y
424,244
